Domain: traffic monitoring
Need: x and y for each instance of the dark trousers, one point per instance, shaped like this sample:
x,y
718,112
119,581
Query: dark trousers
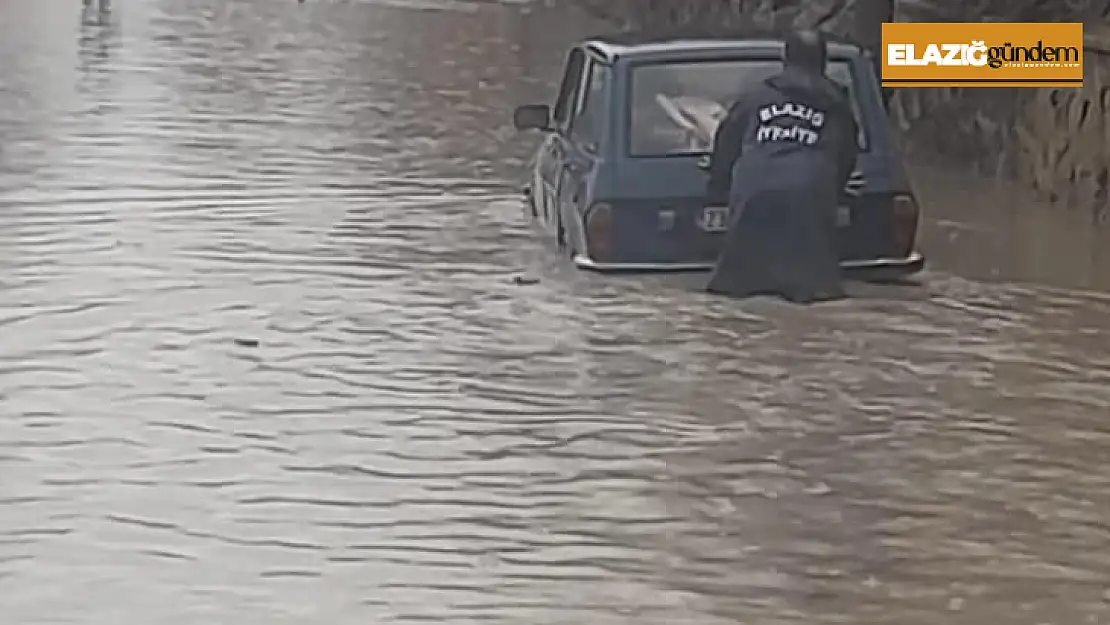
x,y
784,243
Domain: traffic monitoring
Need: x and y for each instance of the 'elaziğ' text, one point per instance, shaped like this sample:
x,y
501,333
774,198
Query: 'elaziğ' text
x,y
805,127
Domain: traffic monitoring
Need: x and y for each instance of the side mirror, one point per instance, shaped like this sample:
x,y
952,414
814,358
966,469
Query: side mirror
x,y
532,117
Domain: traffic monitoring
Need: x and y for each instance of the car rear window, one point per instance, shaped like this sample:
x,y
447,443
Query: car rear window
x,y
675,106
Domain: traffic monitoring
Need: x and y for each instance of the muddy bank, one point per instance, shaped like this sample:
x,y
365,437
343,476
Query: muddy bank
x,y
1052,142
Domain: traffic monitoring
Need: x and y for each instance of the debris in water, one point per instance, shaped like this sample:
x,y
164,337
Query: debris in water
x,y
525,280
247,342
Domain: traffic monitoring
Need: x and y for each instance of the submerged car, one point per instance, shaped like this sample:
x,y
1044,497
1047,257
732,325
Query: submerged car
x,y
619,180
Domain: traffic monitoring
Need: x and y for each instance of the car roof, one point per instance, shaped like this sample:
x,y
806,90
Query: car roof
x,y
660,45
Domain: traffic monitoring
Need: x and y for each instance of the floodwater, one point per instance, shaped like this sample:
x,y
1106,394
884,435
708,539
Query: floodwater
x,y
263,362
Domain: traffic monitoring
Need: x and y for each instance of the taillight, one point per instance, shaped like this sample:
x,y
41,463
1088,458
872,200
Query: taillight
x,y
599,231
904,217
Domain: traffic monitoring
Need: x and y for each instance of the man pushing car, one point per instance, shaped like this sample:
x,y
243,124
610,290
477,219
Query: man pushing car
x,y
781,160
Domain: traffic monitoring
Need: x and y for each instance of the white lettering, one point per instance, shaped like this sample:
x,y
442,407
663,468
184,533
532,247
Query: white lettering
x,y
932,55
805,131
796,134
794,110
947,54
895,54
952,53
977,53
910,58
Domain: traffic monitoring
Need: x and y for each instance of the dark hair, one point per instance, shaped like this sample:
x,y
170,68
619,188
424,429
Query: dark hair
x,y
806,49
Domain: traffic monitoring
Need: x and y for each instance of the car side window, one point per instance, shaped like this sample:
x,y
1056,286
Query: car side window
x,y
589,115
568,89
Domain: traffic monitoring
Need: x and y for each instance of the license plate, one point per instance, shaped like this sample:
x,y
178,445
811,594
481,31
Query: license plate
x,y
714,219
843,216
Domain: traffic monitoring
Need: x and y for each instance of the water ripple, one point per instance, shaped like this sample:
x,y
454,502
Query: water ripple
x,y
264,362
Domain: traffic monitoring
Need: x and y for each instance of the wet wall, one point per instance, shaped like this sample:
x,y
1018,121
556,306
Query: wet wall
x,y
1053,140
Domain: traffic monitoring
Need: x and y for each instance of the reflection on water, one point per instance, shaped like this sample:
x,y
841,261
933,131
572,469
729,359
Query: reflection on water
x,y
417,438
997,231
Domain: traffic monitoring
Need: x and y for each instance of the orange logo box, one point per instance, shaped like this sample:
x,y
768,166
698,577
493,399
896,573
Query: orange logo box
x,y
994,54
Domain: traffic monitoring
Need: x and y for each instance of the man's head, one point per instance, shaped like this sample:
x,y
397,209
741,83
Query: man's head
x,y
806,50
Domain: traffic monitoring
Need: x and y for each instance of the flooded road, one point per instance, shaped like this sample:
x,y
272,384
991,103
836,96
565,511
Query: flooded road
x,y
417,439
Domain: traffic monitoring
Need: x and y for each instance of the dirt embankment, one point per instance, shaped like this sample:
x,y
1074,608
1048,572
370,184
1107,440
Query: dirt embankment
x,y
1056,142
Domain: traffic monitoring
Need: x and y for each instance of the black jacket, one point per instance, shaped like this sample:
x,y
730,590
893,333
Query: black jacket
x,y
811,111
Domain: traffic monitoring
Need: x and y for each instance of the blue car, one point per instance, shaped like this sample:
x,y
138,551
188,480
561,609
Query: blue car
x,y
619,179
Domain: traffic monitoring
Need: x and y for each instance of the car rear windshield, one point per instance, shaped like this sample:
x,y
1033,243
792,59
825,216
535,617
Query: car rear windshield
x,y
675,106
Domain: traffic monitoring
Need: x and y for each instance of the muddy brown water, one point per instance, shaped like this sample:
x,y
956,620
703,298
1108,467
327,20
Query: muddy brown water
x,y
415,438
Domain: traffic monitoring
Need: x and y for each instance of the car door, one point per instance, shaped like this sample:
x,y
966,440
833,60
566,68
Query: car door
x,y
543,173
552,155
584,139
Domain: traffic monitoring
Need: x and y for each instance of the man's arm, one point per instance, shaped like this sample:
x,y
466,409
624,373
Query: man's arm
x,y
727,145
